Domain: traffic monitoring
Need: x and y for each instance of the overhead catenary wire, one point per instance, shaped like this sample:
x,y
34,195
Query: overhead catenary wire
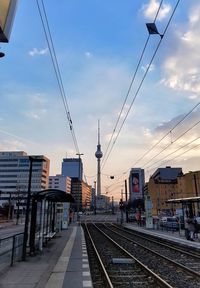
x,y
56,68
163,137
129,88
171,143
160,140
160,160
184,152
141,83
171,153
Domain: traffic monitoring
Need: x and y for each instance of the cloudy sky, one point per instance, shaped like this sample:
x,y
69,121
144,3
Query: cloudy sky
x,y
98,45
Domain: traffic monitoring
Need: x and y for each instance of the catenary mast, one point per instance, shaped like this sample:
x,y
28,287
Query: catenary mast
x,y
98,155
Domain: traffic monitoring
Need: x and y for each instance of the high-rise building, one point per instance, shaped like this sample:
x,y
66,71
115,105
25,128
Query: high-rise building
x,y
73,168
81,193
14,172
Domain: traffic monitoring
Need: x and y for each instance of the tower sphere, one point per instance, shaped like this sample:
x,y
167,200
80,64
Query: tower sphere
x,y
98,154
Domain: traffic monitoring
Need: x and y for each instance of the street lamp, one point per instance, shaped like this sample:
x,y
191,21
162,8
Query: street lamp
x,y
31,160
2,54
79,184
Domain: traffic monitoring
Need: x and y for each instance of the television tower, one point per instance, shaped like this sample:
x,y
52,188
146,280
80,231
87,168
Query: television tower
x,y
98,155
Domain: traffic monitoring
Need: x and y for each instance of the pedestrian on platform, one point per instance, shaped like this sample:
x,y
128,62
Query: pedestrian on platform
x,y
191,228
187,232
196,229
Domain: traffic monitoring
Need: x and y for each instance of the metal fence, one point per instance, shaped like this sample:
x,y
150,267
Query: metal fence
x,y
10,250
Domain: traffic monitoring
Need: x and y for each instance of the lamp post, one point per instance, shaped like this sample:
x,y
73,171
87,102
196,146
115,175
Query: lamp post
x,y
79,184
28,201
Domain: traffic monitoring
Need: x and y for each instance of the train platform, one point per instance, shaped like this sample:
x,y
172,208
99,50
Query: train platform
x,y
174,236
62,263
64,260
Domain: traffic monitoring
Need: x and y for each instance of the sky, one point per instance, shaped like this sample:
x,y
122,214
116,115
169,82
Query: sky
x,y
98,45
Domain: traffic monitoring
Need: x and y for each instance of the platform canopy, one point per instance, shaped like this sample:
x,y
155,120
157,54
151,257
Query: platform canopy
x,y
184,200
53,195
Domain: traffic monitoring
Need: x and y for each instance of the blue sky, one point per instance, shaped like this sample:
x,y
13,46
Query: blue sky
x,y
98,45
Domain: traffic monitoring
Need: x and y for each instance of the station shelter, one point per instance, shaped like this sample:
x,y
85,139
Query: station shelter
x,y
190,206
43,219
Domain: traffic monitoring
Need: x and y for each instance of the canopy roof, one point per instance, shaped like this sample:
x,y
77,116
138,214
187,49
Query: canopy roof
x,y
184,200
53,195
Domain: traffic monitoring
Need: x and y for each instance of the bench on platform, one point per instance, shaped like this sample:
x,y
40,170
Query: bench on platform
x,y
49,235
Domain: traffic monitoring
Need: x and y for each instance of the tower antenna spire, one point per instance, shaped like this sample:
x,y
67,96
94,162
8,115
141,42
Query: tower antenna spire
x,y
98,155
98,132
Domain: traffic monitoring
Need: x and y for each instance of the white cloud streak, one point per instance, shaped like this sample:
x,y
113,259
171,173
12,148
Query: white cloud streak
x,y
36,52
150,10
182,69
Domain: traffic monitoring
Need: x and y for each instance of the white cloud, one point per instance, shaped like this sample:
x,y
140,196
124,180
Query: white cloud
x,y
147,132
182,70
150,10
151,68
88,55
37,114
14,136
35,52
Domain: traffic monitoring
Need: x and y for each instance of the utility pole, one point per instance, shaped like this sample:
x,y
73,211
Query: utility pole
x,y
126,199
79,185
113,205
196,191
95,199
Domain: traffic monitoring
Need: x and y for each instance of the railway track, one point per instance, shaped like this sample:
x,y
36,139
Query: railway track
x,y
113,266
183,256
176,274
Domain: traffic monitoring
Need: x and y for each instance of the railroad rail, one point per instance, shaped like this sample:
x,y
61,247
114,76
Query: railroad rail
x,y
174,273
118,267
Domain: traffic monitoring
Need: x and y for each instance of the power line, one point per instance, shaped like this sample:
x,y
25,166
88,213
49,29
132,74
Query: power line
x,y
160,160
159,141
140,85
180,136
130,86
192,148
50,44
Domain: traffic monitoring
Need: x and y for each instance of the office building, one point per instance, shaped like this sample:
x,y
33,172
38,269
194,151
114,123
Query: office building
x,y
73,168
14,173
81,193
62,209
60,182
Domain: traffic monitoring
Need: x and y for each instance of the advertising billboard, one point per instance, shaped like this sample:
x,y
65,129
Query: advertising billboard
x,y
136,184
7,13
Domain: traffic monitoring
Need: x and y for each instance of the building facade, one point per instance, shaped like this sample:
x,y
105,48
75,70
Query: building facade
x,y
82,193
60,182
73,168
163,185
62,209
14,173
189,184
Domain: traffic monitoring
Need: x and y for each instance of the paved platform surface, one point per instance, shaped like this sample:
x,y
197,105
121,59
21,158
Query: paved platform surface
x,y
63,263
174,236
